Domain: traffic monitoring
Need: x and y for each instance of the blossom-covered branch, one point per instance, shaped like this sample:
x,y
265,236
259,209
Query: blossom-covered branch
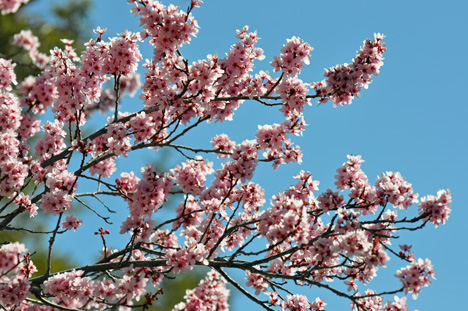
x,y
300,237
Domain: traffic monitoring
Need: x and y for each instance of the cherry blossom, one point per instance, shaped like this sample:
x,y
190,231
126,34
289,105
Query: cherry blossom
x,y
11,6
191,176
257,281
416,276
395,189
16,290
344,82
436,208
71,222
26,40
294,54
7,74
211,294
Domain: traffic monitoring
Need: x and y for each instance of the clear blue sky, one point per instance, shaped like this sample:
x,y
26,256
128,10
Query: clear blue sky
x,y
412,119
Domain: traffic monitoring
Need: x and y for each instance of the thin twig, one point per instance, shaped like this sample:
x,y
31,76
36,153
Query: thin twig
x,y
242,290
51,243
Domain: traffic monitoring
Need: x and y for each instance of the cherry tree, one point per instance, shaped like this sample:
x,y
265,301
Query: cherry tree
x,y
300,237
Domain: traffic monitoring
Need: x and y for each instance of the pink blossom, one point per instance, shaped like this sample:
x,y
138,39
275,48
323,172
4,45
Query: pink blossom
x,y
330,200
304,188
24,201
279,266
150,193
71,222
191,176
416,276
143,126
7,75
253,196
126,183
188,213
70,288
14,291
100,30
26,40
223,144
245,158
372,303
211,294
164,238
436,209
222,220
11,6
399,304
392,187
167,27
178,260
42,93
53,142
354,243
104,168
350,174
301,303
29,126
257,281
16,172
10,255
294,54
202,76
272,137
293,94
344,82
131,286
124,54
237,66
62,186
117,140
352,286
10,113
55,202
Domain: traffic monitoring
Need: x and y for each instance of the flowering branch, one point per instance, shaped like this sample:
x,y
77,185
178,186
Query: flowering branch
x,y
301,237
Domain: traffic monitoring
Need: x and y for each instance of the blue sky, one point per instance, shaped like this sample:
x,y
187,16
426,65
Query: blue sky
x,y
412,119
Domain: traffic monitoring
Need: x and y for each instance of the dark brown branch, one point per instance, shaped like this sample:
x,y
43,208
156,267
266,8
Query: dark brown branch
x,y
242,290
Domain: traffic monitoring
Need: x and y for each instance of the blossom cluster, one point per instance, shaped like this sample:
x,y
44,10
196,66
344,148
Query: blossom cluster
x,y
59,198
75,290
293,92
344,82
294,55
13,149
436,209
210,295
350,176
239,62
15,269
167,27
123,54
11,6
191,176
149,193
7,74
392,187
277,145
301,303
373,302
416,276
26,40
257,281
